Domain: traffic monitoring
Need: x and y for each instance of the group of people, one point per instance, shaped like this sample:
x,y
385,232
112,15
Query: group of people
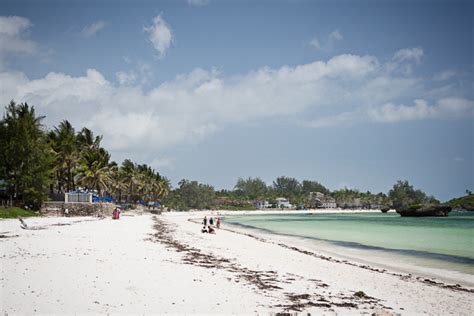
x,y
209,225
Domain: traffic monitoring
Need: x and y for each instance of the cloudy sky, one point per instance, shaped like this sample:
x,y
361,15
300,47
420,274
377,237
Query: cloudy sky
x,y
349,93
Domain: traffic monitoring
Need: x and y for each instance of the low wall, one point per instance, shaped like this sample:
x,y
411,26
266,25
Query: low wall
x,y
76,209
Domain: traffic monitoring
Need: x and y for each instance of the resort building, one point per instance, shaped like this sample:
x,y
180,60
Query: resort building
x,y
262,204
328,202
78,197
353,203
283,203
319,200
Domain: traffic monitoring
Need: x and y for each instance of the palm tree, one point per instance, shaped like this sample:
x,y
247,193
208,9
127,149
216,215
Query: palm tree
x,y
131,178
87,141
64,144
117,186
25,157
94,170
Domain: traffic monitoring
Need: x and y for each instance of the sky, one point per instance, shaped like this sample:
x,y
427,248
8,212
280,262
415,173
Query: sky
x,y
355,94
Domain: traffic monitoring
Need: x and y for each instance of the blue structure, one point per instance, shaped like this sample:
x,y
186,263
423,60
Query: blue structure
x,y
96,198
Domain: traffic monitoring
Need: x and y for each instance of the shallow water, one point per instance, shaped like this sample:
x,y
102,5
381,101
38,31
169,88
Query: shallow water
x,y
445,243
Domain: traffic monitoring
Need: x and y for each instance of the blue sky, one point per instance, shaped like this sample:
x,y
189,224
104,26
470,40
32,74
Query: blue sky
x,y
349,93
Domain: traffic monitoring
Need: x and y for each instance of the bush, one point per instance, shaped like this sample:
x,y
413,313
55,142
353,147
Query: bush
x,y
248,207
415,207
465,202
15,212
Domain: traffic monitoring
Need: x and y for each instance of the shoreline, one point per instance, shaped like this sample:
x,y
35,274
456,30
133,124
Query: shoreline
x,y
378,283
408,262
449,278
274,211
146,264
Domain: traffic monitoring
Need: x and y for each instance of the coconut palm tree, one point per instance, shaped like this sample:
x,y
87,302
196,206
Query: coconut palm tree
x,y
87,141
131,179
117,186
64,144
94,170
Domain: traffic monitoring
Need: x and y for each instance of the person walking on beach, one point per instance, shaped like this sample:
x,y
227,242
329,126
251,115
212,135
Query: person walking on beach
x,y
211,221
204,221
218,222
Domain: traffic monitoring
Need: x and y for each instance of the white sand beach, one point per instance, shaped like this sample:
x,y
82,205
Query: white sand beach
x,y
146,264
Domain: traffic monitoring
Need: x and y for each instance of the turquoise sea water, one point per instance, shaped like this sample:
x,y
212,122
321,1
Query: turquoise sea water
x,y
446,242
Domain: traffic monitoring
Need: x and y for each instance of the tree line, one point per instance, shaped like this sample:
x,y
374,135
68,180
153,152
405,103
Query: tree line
x,y
36,163
195,195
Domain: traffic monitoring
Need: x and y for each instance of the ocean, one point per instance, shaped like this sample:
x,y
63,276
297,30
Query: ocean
x,y
439,246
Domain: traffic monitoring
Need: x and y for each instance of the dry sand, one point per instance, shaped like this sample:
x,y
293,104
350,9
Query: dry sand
x,y
145,264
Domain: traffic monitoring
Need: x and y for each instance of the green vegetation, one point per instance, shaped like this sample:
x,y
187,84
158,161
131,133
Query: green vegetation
x,y
35,163
25,156
15,212
464,202
415,207
248,207
252,188
190,195
403,196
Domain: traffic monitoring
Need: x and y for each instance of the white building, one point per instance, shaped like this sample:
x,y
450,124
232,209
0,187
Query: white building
x,y
329,202
262,204
319,200
283,203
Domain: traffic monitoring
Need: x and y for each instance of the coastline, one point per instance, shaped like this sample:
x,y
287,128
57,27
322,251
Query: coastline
x,y
164,264
276,211
392,287
423,264
359,257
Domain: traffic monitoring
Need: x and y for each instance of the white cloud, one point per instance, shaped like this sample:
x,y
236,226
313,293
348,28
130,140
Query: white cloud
x,y
404,59
444,75
444,108
315,43
409,54
198,3
447,108
328,44
186,108
335,35
13,25
141,74
160,35
341,119
93,28
13,33
353,89
126,78
394,113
